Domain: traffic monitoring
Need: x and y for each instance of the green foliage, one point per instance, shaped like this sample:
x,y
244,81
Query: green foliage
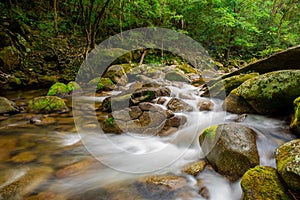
x,y
109,121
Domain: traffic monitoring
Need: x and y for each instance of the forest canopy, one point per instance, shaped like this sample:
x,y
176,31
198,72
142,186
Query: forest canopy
x,y
228,29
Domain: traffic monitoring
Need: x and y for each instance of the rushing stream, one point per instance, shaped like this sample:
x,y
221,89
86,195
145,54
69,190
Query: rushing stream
x,y
40,158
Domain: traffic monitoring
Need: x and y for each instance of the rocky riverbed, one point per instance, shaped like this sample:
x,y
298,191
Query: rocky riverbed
x,y
152,132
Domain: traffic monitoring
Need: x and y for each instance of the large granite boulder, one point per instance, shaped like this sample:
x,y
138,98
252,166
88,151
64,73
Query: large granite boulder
x,y
271,93
286,59
288,163
262,183
7,106
230,148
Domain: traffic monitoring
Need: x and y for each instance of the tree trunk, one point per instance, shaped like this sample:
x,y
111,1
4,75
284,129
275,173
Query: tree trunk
x,y
55,16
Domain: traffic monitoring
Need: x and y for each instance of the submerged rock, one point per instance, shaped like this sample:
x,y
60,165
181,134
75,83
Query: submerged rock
x,y
295,123
271,93
7,106
27,183
288,163
161,187
262,183
47,104
230,148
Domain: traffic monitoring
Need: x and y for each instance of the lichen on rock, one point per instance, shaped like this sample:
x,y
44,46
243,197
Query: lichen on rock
x,y
288,163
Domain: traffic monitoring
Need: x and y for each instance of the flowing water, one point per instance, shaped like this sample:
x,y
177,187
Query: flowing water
x,y
59,162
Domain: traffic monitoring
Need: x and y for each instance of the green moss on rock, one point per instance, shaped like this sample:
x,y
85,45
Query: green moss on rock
x,y
288,163
58,89
261,183
47,104
295,123
273,92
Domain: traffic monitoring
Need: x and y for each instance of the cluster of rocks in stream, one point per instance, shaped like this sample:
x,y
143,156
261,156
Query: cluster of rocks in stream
x,y
230,149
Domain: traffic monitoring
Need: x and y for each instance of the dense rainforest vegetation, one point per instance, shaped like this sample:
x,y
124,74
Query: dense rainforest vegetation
x,y
233,31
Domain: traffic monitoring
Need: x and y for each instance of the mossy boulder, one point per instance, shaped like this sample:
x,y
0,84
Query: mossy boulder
x,y
58,89
230,148
263,182
7,106
288,163
271,93
47,104
295,123
223,87
72,86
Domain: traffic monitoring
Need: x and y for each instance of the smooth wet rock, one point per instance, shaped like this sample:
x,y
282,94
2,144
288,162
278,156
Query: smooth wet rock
x,y
47,104
206,105
58,89
288,163
295,123
271,93
263,182
7,106
230,148
178,105
195,168
27,183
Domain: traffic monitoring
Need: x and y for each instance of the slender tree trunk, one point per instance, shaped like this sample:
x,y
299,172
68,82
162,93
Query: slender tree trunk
x,y
55,16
